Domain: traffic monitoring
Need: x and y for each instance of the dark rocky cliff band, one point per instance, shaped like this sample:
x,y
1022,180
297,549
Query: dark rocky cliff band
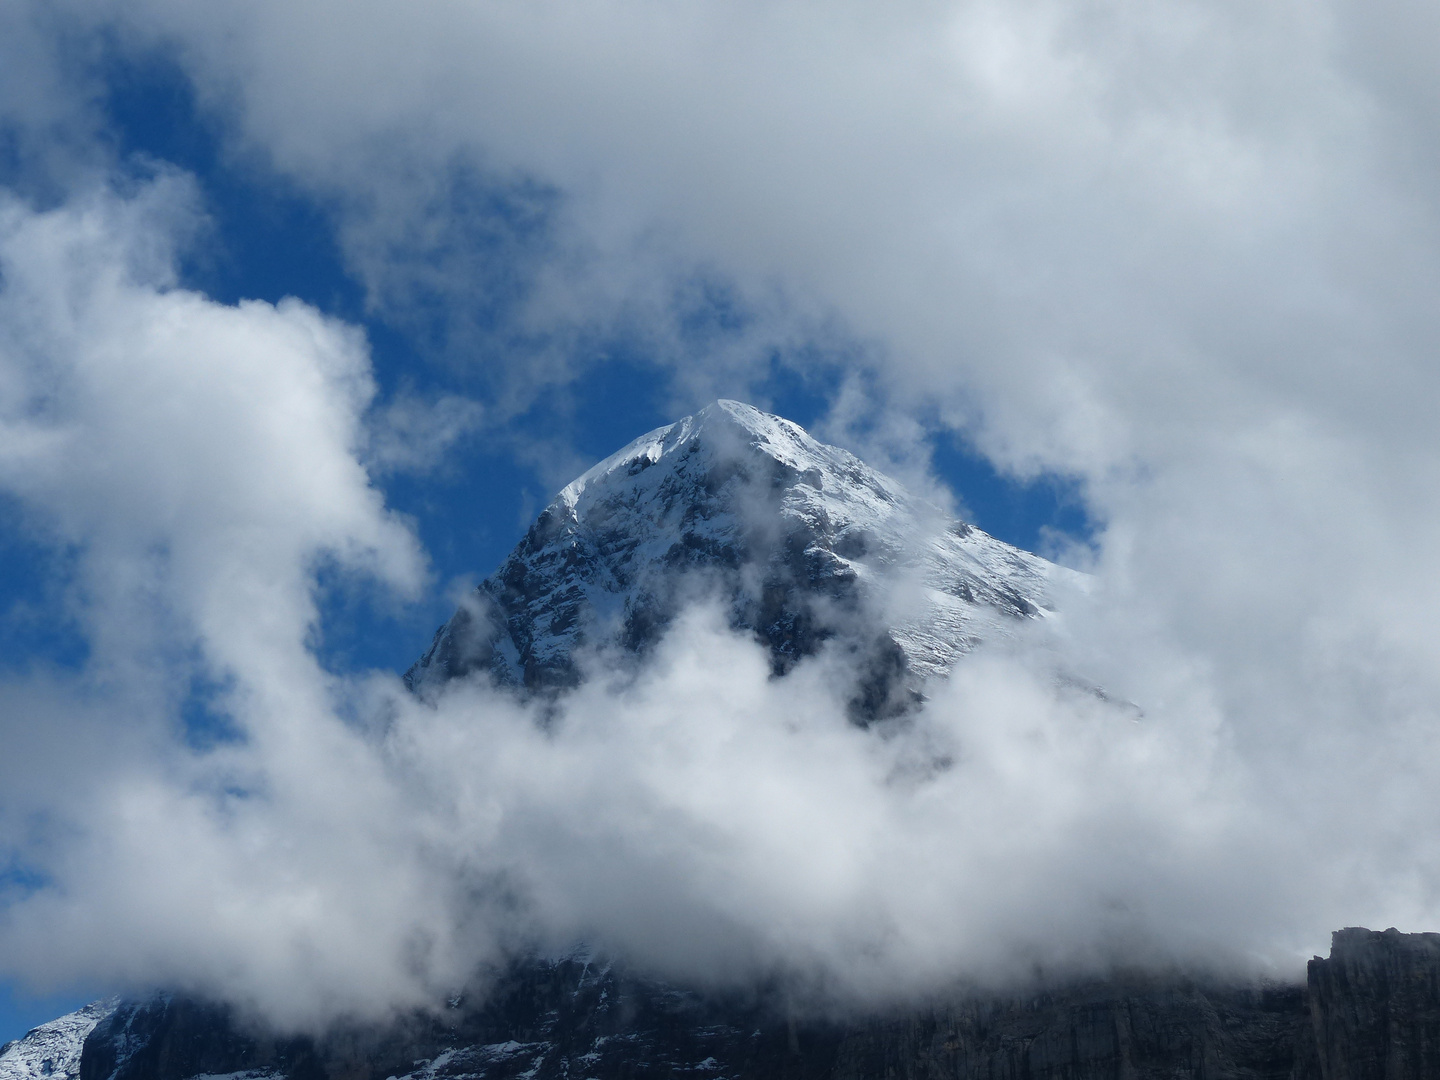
x,y
1369,1012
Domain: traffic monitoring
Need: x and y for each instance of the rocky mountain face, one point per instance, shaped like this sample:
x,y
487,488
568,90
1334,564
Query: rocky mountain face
x,y
1369,1012
1376,1003
803,543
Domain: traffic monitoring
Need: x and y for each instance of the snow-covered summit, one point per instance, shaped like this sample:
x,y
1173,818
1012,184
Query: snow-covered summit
x,y
740,426
52,1051
805,542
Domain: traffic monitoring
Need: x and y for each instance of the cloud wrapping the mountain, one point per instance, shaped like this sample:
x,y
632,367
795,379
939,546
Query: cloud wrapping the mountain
x,y
1184,255
187,467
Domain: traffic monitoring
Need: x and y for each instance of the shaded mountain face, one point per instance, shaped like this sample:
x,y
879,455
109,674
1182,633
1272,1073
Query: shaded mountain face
x,y
803,544
1369,1012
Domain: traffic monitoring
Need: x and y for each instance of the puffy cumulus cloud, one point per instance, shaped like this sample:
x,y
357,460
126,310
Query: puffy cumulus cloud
x,y
153,428
194,464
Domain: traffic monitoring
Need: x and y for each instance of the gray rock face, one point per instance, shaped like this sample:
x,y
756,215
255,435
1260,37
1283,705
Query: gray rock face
x,y
1376,1004
1370,1011
175,1036
542,1019
1128,1027
801,542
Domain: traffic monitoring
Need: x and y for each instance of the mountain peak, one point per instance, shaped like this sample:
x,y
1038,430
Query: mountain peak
x,y
802,541
729,429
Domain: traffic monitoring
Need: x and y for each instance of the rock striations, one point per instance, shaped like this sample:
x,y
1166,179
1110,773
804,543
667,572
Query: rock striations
x,y
1376,1004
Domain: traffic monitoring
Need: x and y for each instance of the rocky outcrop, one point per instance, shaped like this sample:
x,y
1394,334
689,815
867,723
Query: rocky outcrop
x,y
1376,1006
1135,1027
800,542
1369,1012
542,1020
174,1036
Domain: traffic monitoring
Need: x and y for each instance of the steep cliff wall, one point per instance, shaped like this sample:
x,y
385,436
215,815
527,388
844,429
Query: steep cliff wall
x,y
1376,1006
1142,1029
1370,1012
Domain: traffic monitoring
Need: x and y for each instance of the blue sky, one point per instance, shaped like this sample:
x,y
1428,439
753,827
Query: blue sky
x,y
307,308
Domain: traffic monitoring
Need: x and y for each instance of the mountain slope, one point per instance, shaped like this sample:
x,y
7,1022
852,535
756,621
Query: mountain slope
x,y
802,542
52,1051
1369,1011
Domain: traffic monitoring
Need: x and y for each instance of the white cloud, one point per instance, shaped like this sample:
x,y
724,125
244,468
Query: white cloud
x,y
198,460
413,433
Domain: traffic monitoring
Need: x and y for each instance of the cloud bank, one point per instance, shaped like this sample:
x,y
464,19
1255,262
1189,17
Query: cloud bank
x,y
1187,258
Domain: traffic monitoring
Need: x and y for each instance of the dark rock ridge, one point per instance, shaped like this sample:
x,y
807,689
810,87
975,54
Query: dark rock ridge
x,y
1376,1003
1369,1012
801,542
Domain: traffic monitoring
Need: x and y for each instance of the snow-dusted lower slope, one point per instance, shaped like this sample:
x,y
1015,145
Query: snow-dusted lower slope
x,y
52,1051
803,542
